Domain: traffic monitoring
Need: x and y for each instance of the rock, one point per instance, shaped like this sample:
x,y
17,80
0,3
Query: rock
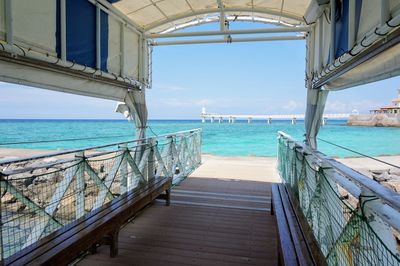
x,y
50,160
381,177
21,208
377,172
395,185
8,198
28,181
394,171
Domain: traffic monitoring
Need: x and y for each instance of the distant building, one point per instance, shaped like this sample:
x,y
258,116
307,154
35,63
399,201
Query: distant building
x,y
392,109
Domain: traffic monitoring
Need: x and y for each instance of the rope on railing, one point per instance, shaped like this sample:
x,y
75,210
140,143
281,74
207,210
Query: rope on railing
x,y
346,227
359,153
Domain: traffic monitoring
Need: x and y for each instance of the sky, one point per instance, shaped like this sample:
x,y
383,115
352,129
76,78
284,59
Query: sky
x,y
236,78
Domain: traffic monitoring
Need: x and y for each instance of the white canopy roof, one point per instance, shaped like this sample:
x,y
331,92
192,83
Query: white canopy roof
x,y
157,16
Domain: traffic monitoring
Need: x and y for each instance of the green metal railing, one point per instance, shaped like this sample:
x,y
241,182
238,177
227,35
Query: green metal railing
x,y
44,193
354,219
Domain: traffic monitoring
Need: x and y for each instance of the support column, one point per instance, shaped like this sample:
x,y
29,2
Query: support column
x,y
212,119
269,121
294,121
203,119
134,108
249,120
220,120
316,99
233,120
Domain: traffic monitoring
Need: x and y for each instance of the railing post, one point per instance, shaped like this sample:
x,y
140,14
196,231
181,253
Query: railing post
x,y
171,155
183,155
151,159
125,182
1,227
80,186
200,144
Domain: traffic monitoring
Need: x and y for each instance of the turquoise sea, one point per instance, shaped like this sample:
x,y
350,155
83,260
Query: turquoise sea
x,y
241,138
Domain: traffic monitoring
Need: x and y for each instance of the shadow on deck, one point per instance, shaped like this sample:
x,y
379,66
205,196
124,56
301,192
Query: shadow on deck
x,y
210,222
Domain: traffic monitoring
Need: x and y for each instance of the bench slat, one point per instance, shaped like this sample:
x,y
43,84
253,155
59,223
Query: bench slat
x,y
285,241
300,246
297,245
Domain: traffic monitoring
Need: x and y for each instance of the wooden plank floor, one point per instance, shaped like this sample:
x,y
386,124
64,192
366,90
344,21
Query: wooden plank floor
x,y
210,222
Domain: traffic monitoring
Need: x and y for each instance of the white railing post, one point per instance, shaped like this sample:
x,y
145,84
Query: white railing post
x,y
151,159
182,153
80,186
172,155
124,169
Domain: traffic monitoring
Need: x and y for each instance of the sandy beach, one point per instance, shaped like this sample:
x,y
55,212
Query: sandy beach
x,y
254,168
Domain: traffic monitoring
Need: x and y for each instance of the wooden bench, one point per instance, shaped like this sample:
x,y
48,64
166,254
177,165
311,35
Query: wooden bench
x,y
296,242
100,226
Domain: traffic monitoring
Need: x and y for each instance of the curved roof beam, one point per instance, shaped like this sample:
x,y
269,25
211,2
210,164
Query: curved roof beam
x,y
213,19
217,10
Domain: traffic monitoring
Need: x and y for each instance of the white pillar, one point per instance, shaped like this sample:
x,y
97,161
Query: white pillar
x,y
324,120
269,121
203,119
233,120
294,121
249,120
212,119
220,119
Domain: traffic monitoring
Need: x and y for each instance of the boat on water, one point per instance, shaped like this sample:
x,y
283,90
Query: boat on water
x,y
385,116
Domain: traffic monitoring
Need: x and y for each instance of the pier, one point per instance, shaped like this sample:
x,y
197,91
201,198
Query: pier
x,y
231,118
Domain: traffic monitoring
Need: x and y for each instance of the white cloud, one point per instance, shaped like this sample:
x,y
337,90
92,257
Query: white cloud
x,y
176,102
169,87
292,105
363,106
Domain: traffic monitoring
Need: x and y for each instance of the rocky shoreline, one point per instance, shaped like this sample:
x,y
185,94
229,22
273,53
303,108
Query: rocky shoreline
x,y
389,178
374,120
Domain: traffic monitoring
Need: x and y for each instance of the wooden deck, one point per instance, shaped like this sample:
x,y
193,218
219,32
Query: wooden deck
x,y
211,221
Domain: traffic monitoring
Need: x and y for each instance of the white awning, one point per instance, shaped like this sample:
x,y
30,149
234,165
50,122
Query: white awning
x,y
165,15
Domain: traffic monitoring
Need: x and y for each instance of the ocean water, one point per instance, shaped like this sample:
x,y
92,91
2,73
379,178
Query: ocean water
x,y
238,139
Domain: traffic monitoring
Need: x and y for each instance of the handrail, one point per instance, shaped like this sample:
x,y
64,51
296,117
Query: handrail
x,y
40,197
52,154
385,194
354,219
